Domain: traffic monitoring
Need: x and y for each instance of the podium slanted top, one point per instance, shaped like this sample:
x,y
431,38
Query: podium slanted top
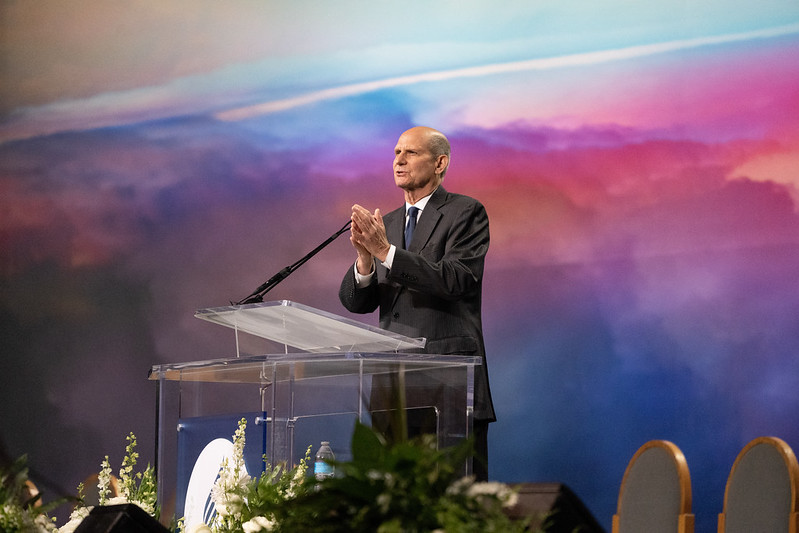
x,y
308,329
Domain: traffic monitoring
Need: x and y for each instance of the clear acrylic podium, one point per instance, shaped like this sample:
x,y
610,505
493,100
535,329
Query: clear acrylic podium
x,y
332,372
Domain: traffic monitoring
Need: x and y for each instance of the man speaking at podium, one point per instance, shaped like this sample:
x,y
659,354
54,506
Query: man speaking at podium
x,y
422,265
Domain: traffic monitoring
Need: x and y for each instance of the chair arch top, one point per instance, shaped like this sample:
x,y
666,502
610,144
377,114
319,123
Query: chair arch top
x,y
769,459
665,457
655,493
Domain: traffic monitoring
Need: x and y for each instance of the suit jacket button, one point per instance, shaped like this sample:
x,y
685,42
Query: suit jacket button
x,y
396,315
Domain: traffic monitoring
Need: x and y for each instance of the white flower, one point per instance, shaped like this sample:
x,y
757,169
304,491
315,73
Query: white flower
x,y
500,491
75,519
486,487
104,480
44,523
199,528
231,485
232,504
460,485
299,474
384,501
258,523
70,526
146,506
121,500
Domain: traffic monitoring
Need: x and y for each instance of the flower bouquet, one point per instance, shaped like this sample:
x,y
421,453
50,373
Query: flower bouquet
x,y
408,486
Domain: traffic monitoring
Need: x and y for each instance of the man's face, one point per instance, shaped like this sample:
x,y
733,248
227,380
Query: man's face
x,y
414,164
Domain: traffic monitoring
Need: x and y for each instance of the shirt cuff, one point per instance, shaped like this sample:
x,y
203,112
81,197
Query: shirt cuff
x,y
361,280
390,257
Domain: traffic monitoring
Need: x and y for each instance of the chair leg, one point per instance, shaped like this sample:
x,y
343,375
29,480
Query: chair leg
x,y
686,523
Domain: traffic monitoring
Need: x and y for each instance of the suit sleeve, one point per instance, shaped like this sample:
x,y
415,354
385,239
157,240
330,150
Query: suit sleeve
x,y
358,300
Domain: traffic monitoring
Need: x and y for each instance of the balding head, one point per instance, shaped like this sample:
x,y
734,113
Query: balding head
x,y
421,158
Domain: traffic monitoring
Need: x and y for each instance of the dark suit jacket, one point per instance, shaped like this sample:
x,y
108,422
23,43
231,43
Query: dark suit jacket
x,y
434,289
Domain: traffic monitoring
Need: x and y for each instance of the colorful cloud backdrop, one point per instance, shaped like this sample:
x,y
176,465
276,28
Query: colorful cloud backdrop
x,y
639,164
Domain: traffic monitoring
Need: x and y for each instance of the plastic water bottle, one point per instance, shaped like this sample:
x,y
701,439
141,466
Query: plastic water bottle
x,y
321,469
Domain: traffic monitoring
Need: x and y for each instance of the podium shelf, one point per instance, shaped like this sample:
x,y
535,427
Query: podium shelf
x,y
303,366
307,329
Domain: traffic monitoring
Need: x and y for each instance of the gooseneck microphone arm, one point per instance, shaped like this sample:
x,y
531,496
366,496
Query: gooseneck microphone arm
x,y
258,295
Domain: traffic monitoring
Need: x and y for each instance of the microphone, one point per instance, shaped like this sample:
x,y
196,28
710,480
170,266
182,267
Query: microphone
x,y
257,295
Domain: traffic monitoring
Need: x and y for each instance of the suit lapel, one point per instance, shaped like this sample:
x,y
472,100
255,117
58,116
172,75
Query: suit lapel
x,y
428,220
395,230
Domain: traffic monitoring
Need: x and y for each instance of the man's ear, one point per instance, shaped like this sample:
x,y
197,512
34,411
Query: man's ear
x,y
442,162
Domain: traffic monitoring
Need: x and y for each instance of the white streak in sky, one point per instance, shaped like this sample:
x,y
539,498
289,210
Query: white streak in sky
x,y
573,60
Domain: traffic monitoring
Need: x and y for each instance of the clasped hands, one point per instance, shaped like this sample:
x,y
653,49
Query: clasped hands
x,y
368,236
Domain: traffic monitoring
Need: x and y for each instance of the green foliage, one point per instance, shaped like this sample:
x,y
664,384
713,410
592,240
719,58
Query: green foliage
x,y
19,511
244,503
134,487
408,486
126,477
400,487
12,484
275,486
138,487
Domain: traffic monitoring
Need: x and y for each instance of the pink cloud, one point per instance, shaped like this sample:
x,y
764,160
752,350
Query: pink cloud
x,y
715,92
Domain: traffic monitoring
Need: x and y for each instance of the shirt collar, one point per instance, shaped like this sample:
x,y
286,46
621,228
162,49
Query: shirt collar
x,y
421,204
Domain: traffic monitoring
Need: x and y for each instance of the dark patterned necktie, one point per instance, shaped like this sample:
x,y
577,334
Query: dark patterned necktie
x,y
411,225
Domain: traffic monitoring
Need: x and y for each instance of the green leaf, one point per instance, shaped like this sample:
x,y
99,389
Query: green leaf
x,y
368,448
